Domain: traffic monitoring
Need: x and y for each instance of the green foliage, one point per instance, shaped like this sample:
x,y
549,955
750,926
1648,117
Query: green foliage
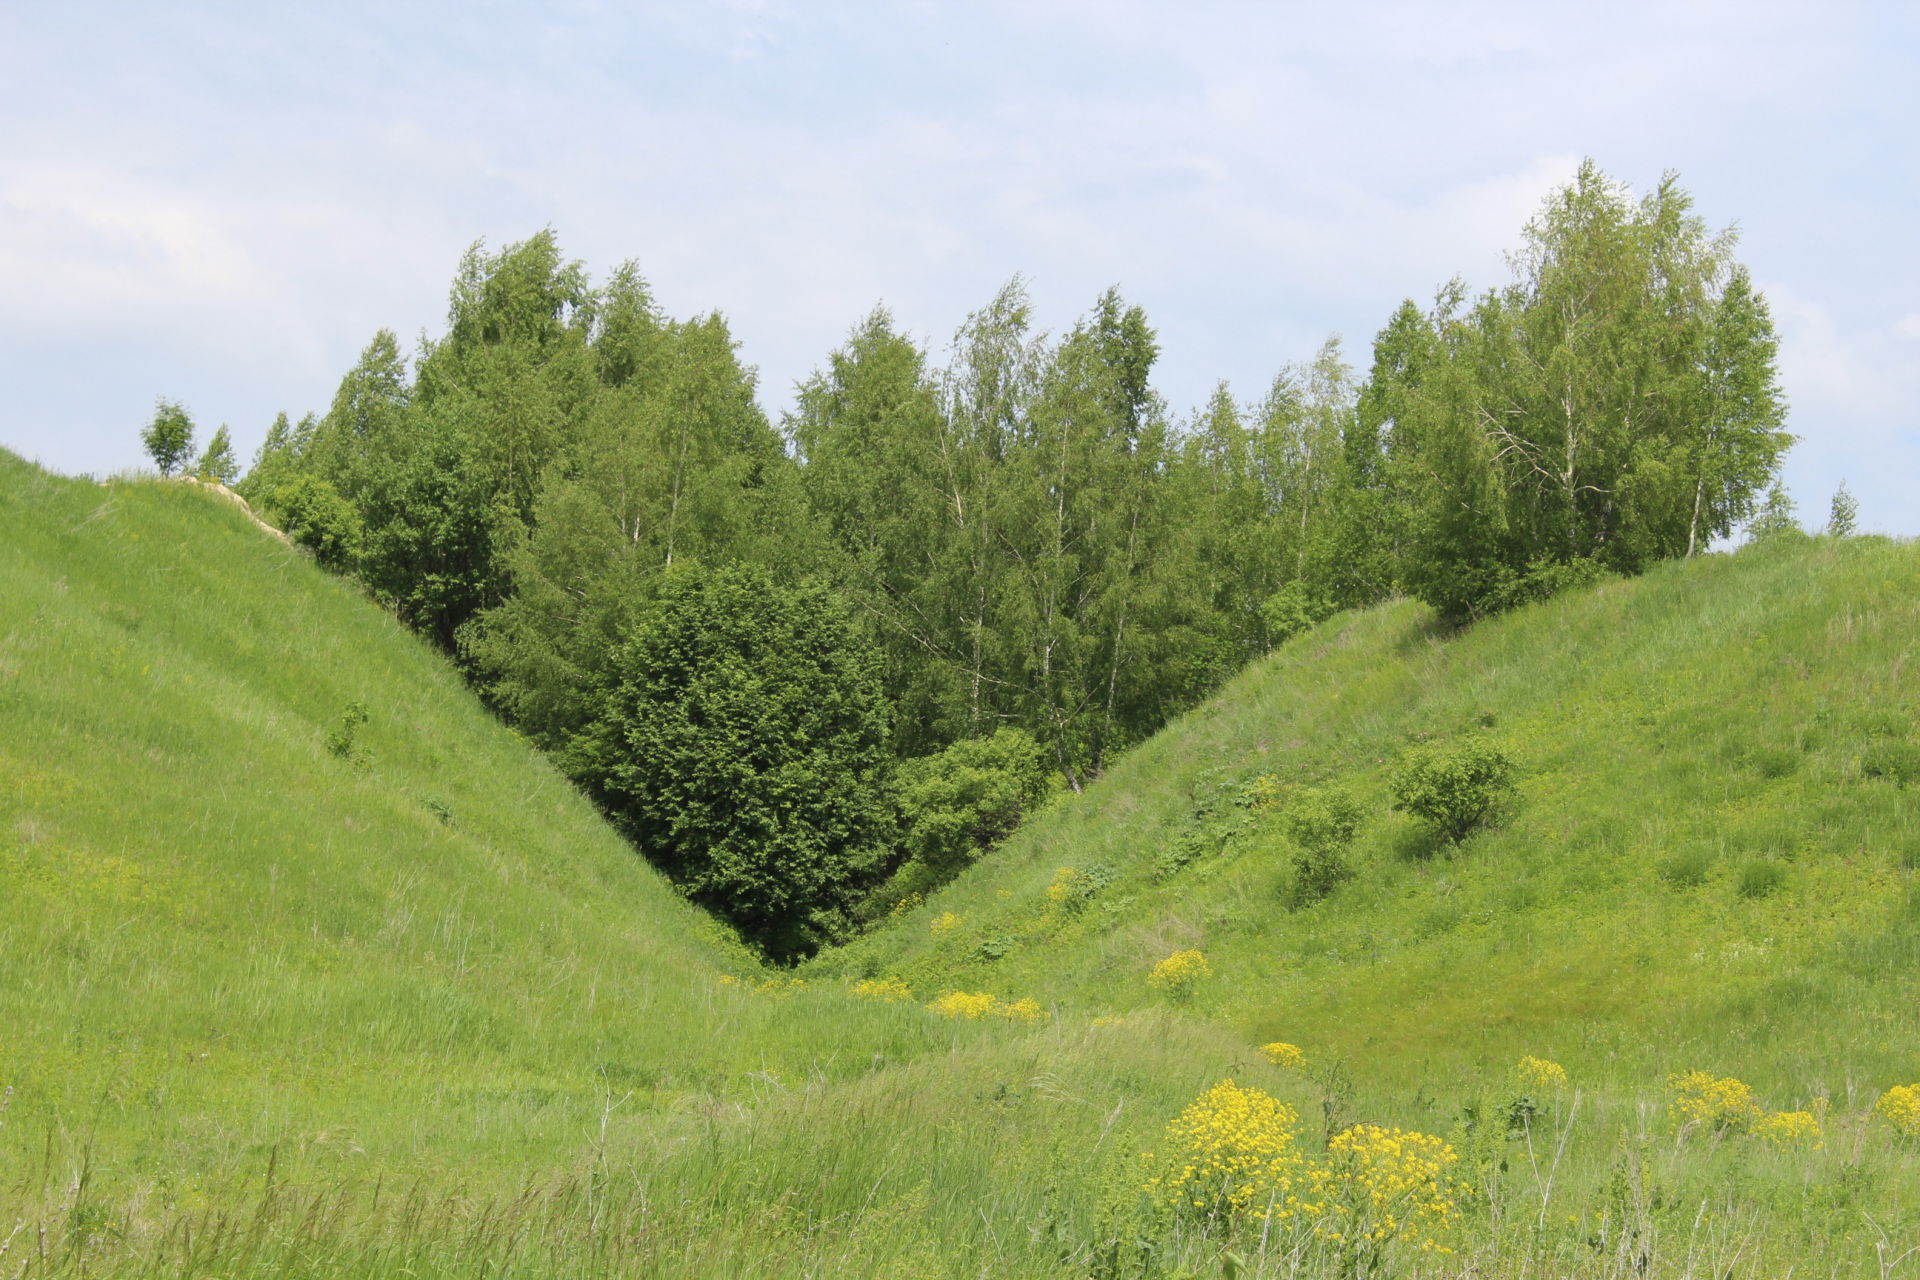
x,y
1321,822
953,806
957,804
169,437
1456,788
342,738
1617,404
217,462
742,740
1775,517
1292,609
316,517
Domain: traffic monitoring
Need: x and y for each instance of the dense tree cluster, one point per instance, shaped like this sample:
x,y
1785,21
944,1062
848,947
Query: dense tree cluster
x,y
573,492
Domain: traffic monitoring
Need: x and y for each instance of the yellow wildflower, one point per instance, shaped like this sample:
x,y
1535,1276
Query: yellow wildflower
x,y
1718,1101
1178,973
1027,1010
945,922
1282,1054
975,1005
1900,1107
1784,1127
961,1004
890,990
1539,1074
1390,1183
1231,1152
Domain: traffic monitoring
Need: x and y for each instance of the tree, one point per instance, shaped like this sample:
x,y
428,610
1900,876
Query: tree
x,y
742,741
1774,517
1615,405
1841,515
169,437
674,466
217,463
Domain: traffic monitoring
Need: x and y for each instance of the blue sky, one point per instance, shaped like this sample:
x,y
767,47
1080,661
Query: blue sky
x,y
221,204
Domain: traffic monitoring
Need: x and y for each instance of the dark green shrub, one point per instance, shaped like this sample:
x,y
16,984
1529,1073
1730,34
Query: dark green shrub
x,y
964,800
1543,579
743,744
315,516
1761,877
1321,822
1456,789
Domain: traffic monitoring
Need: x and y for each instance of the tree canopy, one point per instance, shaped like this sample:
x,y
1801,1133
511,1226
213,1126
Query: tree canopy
x,y
571,491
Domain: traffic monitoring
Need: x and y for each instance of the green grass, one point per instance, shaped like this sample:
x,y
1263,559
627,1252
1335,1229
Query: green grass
x,y
276,1003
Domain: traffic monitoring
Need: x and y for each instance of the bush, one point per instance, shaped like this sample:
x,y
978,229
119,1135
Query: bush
x,y
1455,789
1543,579
315,516
1321,823
743,744
1291,610
963,801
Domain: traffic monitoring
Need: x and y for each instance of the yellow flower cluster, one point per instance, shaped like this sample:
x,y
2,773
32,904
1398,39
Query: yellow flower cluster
x,y
1900,1107
1282,1054
1179,971
1231,1153
890,990
1725,1104
1700,1097
976,1005
1108,1020
781,987
1389,1183
1540,1075
1065,881
1784,1127
945,922
906,904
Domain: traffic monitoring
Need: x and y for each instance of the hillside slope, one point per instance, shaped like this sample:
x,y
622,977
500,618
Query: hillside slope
x,y
238,916
1671,733
292,992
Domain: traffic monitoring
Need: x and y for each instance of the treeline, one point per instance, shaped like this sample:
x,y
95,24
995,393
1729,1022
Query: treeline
x,y
1020,539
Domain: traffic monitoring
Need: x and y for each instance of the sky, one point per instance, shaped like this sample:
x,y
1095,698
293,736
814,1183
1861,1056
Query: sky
x,y
222,204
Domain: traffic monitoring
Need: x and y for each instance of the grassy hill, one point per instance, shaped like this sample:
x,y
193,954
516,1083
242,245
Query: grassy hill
x,y
291,992
1711,855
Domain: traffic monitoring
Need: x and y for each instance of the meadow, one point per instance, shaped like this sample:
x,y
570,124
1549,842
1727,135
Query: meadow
x,y
313,968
